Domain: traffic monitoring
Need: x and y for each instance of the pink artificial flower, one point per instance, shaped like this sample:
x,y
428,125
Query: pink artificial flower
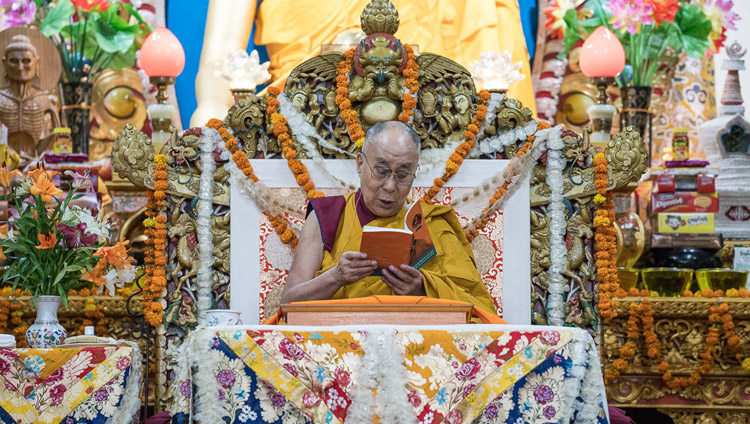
x,y
19,12
630,14
719,12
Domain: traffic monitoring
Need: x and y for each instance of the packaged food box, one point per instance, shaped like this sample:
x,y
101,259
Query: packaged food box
x,y
702,241
685,201
675,222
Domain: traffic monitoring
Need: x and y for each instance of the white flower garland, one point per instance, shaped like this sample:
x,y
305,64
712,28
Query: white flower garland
x,y
558,253
258,192
506,138
585,379
304,132
492,105
209,139
593,386
130,402
518,170
383,361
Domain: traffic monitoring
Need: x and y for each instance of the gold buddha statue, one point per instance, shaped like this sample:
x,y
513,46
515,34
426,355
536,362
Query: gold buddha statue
x,y
29,112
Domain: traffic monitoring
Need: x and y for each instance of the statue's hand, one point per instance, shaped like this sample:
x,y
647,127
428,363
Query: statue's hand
x,y
405,280
352,267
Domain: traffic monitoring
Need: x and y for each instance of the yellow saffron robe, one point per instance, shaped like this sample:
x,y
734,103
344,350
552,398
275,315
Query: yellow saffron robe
x,y
294,30
452,274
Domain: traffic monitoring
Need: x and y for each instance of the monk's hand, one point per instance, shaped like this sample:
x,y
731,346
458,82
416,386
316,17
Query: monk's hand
x,y
353,266
404,280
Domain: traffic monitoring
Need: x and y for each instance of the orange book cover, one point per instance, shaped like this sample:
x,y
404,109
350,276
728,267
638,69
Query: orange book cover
x,y
411,245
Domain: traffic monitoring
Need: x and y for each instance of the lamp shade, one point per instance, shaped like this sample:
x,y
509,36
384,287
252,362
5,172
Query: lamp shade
x,y
162,54
602,54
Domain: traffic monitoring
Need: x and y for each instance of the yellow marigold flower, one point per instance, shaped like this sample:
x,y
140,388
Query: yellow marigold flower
x,y
599,199
732,293
359,142
160,158
600,221
746,364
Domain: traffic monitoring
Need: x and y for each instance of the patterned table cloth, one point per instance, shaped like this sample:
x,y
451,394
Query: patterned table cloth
x,y
70,385
456,374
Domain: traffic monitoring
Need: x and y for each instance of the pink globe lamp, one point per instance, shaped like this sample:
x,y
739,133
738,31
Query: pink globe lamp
x,y
162,58
602,58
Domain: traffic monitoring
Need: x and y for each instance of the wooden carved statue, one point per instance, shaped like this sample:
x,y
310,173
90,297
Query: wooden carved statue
x,y
28,107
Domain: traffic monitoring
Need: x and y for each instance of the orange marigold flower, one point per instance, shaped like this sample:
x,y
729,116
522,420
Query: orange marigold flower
x,y
214,123
274,91
302,179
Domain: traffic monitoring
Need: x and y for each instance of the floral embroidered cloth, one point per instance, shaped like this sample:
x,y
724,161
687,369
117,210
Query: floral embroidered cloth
x,y
69,385
465,374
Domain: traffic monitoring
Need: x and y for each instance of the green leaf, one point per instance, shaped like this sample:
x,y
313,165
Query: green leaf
x,y
110,39
134,13
572,32
57,18
63,295
694,28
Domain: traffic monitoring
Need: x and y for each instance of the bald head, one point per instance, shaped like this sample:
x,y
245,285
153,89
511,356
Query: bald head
x,y
391,132
387,166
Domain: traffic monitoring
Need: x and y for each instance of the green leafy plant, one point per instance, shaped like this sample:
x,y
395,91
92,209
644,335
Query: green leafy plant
x,y
92,36
654,33
49,242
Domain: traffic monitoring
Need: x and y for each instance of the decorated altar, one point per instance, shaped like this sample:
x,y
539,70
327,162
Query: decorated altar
x,y
70,384
469,373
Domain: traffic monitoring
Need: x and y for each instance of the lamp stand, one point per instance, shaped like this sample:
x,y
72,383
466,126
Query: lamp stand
x,y
160,113
241,94
601,113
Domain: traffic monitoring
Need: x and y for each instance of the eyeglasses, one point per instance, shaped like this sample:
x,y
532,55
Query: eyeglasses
x,y
382,173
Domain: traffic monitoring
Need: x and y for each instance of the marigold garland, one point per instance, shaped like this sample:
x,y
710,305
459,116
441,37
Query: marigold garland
x,y
94,317
720,319
281,228
156,243
350,116
10,314
605,239
457,157
281,131
500,192
240,159
4,315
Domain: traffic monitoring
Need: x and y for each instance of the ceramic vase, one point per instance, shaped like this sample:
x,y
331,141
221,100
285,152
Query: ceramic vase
x,y
76,109
46,332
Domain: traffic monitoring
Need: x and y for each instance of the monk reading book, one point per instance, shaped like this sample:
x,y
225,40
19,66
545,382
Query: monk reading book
x,y
331,261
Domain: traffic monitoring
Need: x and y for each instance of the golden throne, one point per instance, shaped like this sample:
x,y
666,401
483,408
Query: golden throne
x,y
444,107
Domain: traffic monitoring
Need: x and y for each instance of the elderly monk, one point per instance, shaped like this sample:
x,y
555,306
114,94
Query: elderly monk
x,y
328,264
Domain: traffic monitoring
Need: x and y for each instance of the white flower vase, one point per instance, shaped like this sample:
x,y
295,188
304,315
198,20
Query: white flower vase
x,y
46,332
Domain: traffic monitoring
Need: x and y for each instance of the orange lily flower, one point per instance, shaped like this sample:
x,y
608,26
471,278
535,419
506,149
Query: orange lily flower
x,y
7,176
45,188
4,231
116,255
94,277
36,172
47,241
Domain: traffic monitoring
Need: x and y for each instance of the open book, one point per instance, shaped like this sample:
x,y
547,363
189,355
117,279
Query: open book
x,y
411,245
